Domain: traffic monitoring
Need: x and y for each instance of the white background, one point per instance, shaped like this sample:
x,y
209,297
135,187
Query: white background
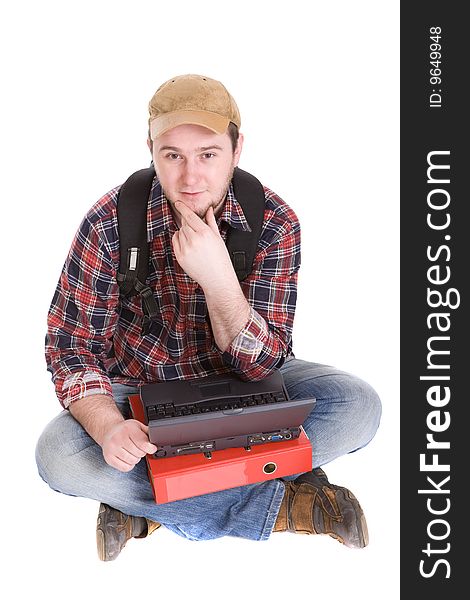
x,y
317,86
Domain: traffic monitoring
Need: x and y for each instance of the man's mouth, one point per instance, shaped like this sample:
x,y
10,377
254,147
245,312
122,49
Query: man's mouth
x,y
190,194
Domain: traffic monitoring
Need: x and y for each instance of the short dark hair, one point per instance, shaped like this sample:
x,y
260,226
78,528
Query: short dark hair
x,y
234,134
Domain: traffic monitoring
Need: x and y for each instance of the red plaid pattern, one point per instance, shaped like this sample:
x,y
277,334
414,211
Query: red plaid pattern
x,y
94,336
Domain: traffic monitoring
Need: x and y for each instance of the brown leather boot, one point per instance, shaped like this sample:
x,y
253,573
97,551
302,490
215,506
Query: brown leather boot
x,y
313,505
114,529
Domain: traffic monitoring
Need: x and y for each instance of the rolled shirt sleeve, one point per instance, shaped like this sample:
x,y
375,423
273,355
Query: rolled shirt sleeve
x,y
82,384
271,290
249,343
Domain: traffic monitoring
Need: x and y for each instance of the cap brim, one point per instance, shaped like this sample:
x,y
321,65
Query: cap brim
x,y
168,121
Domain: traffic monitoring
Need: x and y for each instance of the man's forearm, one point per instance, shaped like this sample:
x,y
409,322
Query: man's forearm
x,y
228,311
96,414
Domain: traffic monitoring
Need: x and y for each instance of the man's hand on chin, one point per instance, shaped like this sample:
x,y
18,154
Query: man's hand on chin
x,y
200,250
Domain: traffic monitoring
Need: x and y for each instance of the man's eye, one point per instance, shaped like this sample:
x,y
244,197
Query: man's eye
x,y
208,155
173,156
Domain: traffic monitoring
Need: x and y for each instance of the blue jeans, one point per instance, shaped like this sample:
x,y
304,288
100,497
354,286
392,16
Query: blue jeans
x,y
345,418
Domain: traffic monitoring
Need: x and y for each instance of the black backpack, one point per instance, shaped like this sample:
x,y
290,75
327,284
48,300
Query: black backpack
x,y
134,248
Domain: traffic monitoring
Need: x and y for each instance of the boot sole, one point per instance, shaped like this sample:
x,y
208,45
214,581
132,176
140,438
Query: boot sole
x,y
361,523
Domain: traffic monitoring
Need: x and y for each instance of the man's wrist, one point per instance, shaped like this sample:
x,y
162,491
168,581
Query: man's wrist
x,y
224,285
97,414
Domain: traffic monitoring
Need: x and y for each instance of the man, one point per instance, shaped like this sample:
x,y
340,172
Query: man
x,y
209,323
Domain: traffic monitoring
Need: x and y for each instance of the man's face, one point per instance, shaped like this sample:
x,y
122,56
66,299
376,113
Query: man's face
x,y
195,166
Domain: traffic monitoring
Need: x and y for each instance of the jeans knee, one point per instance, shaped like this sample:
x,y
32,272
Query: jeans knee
x,y
50,457
375,405
46,456
58,451
369,410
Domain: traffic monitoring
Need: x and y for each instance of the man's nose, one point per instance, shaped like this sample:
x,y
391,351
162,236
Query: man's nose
x,y
191,172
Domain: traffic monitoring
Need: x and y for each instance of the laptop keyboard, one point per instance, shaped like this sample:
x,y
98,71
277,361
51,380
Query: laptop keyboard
x,y
169,410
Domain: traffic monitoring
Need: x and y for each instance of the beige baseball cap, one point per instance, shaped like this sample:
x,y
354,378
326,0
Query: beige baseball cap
x,y
194,100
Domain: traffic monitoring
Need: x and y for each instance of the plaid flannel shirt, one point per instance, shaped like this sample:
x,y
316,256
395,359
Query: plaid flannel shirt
x,y
94,335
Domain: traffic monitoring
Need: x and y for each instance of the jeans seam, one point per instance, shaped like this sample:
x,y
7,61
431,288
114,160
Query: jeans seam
x,y
273,511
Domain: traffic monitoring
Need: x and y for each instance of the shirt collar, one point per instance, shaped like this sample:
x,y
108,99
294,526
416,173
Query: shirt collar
x,y
160,217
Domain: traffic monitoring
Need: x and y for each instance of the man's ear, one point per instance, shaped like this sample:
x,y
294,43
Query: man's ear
x,y
150,145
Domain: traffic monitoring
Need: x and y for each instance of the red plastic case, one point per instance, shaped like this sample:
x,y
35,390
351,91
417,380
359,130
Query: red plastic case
x,y
181,477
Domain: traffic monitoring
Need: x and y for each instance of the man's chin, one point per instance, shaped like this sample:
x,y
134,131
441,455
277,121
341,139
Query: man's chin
x,y
198,209
199,206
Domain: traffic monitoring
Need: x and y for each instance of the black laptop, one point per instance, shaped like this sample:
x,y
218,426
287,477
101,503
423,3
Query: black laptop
x,y
222,411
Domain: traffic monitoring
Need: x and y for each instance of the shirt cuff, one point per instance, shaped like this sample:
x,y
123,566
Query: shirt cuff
x,y
83,384
251,340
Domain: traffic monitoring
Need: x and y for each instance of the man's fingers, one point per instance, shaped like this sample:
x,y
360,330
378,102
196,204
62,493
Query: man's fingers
x,y
130,455
120,459
141,441
190,217
210,220
119,464
136,447
185,232
142,447
176,243
127,444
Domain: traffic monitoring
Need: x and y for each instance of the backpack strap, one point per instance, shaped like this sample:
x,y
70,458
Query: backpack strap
x,y
242,245
132,226
134,249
